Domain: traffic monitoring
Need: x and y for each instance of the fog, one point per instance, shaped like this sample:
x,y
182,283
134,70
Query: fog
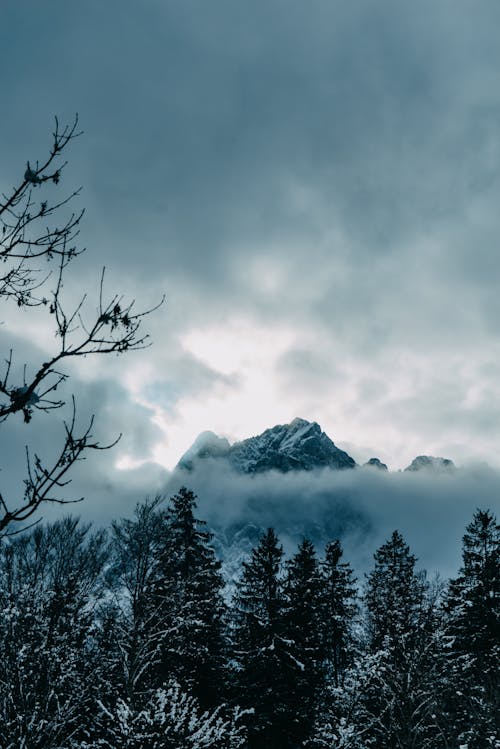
x,y
362,507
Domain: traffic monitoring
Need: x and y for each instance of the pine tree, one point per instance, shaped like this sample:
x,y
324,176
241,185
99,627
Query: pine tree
x,y
475,594
393,596
302,628
474,608
338,609
394,691
186,594
260,650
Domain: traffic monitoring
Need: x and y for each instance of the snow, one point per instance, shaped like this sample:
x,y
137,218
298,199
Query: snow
x,y
300,445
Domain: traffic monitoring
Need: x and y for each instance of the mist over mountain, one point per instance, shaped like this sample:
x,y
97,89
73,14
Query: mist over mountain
x,y
293,477
430,463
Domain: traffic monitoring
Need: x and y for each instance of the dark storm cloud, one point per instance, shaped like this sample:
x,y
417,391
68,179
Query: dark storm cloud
x,y
209,124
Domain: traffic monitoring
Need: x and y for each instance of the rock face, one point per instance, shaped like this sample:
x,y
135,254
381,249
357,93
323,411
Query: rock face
x,y
206,445
376,463
300,445
241,503
431,464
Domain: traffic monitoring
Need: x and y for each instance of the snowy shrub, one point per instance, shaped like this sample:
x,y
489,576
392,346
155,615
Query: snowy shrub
x,y
171,719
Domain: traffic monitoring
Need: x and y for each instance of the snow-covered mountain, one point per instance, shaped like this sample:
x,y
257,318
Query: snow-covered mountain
x,y
300,445
270,480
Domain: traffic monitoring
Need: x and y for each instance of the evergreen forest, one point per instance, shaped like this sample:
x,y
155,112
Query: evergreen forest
x,y
132,639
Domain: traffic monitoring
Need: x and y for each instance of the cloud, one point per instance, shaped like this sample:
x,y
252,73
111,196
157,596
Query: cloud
x,y
329,168
362,507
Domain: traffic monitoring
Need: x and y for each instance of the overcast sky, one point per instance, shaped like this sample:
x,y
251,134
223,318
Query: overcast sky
x,y
314,185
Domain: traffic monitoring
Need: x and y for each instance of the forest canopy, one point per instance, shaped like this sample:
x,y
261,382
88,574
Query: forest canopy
x,y
134,637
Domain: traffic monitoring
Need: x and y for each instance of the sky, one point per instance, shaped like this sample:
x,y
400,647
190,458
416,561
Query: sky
x,y
313,186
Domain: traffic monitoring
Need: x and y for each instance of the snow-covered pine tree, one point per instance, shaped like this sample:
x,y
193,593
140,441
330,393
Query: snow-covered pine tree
x,y
475,593
392,695
338,609
302,628
49,581
393,597
186,594
260,651
474,608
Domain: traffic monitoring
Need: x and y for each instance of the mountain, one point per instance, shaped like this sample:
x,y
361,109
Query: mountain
x,y
298,446
376,463
429,463
206,445
272,481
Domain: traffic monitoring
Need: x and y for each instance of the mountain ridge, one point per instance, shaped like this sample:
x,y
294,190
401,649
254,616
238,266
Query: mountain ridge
x,y
300,445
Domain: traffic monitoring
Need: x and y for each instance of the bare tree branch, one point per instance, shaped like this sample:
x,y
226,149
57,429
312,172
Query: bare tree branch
x,y
28,235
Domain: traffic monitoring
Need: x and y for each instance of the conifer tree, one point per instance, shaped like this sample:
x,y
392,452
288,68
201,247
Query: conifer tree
x,y
186,594
260,650
394,596
392,694
338,609
474,608
475,593
302,628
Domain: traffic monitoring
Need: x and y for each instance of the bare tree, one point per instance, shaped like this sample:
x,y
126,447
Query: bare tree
x,y
38,242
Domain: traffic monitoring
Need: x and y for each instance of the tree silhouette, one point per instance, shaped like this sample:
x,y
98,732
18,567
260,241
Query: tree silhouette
x,y
38,243
474,608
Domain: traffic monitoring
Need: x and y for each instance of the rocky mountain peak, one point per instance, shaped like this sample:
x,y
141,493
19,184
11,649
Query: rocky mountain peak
x,y
206,445
300,445
375,463
430,463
